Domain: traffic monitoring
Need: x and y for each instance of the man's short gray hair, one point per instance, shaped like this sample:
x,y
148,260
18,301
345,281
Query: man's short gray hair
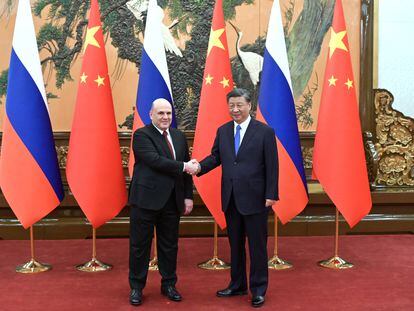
x,y
239,92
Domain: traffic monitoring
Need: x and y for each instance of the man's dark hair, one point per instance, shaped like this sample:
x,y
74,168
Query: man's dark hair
x,y
239,93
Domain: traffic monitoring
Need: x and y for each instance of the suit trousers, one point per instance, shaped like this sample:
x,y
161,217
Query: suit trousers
x,y
142,222
254,227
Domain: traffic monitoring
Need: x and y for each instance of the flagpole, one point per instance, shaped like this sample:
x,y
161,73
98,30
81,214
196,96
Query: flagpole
x,y
153,264
33,266
94,265
275,262
336,262
214,263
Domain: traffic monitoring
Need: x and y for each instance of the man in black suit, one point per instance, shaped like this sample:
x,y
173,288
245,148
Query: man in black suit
x,y
160,192
246,150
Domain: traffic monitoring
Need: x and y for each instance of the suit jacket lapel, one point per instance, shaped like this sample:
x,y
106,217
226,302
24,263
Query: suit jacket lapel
x,y
250,131
230,136
176,142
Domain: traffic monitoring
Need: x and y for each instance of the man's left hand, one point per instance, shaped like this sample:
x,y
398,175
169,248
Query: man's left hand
x,y
270,202
188,206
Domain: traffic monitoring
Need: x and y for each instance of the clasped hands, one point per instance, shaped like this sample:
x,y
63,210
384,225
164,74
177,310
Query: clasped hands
x,y
192,167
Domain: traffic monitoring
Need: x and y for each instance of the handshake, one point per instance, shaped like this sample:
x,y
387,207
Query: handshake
x,y
192,167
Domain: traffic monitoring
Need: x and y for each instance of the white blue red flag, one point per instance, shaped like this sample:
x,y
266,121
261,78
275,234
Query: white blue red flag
x,y
277,109
29,172
154,79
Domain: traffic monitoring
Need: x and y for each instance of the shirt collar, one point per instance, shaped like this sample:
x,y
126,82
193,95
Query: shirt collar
x,y
161,131
244,124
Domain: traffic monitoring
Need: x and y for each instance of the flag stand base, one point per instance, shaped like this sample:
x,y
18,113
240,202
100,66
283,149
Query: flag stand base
x,y
277,263
94,265
153,264
33,266
214,264
335,262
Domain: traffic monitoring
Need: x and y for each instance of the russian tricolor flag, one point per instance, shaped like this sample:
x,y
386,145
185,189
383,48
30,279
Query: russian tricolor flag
x,y
154,79
29,171
277,109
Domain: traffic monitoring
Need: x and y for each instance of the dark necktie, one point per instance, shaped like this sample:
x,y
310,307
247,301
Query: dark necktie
x,y
165,134
237,139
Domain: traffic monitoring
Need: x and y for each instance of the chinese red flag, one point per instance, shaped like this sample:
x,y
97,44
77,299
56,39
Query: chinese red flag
x,y
94,167
338,156
213,111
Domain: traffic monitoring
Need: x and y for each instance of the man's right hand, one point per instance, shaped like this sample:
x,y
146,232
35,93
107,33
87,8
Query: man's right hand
x,y
192,167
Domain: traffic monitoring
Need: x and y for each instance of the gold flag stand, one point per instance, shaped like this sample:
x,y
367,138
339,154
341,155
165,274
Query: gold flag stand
x,y
275,262
153,264
94,265
33,266
214,263
336,262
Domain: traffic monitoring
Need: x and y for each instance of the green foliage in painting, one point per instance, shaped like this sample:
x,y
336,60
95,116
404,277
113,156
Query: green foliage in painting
x,y
3,83
61,36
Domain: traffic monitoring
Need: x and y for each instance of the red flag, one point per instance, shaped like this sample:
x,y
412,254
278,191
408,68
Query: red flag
x,y
338,156
94,167
213,111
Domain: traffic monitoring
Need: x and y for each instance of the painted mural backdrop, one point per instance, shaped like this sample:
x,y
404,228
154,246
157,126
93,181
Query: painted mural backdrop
x,y
60,27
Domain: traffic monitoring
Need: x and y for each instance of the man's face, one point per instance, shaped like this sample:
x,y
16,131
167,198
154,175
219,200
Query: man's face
x,y
161,114
239,108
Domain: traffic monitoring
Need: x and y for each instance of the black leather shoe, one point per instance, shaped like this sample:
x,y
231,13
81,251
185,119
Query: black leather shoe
x,y
135,297
258,301
228,292
171,293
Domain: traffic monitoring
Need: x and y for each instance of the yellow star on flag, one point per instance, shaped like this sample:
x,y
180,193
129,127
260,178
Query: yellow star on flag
x,y
349,83
225,82
83,78
100,80
336,42
332,81
90,37
215,39
208,79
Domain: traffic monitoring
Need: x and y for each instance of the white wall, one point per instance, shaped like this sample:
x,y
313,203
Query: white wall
x,y
396,52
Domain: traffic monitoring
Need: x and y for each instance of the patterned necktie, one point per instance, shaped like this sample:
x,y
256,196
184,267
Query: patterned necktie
x,y
237,139
165,134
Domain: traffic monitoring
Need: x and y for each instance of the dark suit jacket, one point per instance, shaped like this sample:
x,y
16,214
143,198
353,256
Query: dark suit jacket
x,y
252,176
156,173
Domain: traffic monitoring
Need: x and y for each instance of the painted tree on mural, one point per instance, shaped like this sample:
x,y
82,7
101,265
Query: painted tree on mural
x,y
303,41
61,38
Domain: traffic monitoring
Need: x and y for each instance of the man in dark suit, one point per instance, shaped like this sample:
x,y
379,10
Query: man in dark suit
x,y
246,150
160,192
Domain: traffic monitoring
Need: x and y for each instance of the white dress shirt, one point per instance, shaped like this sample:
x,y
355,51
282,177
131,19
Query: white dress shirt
x,y
168,137
243,129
